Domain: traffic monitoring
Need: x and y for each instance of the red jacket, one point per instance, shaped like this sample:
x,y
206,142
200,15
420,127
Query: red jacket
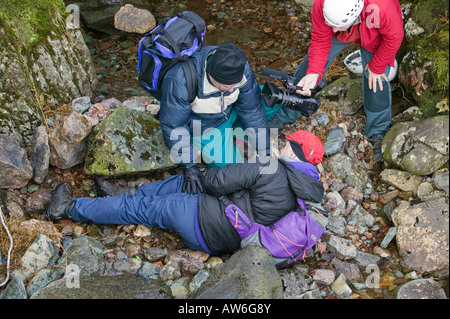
x,y
382,36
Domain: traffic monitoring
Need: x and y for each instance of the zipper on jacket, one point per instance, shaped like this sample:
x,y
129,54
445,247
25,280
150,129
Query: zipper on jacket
x,y
222,105
240,217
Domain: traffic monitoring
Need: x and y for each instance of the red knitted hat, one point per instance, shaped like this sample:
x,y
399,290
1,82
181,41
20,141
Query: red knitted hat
x,y
307,146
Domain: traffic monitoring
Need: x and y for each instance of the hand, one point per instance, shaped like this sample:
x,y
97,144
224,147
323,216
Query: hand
x,y
193,180
307,83
374,79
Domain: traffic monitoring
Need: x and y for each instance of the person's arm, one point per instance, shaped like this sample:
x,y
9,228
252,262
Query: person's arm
x,y
391,30
174,116
250,111
319,49
231,178
321,40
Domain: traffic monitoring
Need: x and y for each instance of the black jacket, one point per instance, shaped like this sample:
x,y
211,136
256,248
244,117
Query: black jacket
x,y
265,190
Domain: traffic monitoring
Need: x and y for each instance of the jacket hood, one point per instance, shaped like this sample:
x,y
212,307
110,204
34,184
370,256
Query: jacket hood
x,y
304,179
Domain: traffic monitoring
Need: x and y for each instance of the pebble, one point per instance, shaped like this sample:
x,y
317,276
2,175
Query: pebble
x,y
340,287
389,236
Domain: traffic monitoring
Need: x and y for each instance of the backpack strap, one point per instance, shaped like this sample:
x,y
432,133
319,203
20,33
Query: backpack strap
x,y
191,79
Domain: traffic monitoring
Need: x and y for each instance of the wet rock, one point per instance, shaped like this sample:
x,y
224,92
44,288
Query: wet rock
x,y
441,180
363,259
340,287
360,217
42,253
341,248
349,170
334,201
335,140
15,168
418,147
400,179
198,281
388,237
170,271
68,141
237,278
131,265
298,284
421,289
11,204
125,286
149,270
134,20
14,290
351,193
349,270
324,276
40,154
81,104
43,278
86,253
153,254
135,145
337,225
188,265
423,235
38,201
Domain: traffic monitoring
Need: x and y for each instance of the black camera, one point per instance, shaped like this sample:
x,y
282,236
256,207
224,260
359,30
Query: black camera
x,y
272,95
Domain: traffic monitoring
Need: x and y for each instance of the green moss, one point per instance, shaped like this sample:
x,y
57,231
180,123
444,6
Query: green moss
x,y
432,47
28,23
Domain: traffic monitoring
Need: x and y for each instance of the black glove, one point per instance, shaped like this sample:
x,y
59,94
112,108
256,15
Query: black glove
x,y
193,180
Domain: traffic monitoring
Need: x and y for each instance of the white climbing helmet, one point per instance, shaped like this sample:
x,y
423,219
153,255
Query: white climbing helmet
x,y
354,63
338,13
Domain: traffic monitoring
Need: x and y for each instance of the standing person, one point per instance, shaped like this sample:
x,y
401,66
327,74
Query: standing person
x,y
228,94
377,27
200,219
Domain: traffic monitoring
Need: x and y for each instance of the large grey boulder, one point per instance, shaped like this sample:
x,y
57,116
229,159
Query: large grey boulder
x,y
249,274
126,142
418,147
15,168
126,286
421,289
423,236
42,64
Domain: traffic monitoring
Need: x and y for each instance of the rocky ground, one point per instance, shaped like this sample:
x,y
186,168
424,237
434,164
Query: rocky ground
x,y
274,35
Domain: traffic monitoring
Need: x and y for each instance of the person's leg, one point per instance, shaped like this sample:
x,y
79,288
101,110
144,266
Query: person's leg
x,y
170,185
286,115
377,107
175,211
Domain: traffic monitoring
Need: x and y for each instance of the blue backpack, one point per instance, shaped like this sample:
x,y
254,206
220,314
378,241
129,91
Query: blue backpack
x,y
173,41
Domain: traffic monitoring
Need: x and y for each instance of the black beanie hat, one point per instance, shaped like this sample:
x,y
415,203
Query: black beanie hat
x,y
227,64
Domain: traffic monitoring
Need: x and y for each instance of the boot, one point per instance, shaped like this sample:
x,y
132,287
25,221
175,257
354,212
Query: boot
x,y
376,141
61,203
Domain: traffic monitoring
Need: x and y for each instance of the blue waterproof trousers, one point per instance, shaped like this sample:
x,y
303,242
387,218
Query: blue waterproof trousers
x,y
158,204
377,105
